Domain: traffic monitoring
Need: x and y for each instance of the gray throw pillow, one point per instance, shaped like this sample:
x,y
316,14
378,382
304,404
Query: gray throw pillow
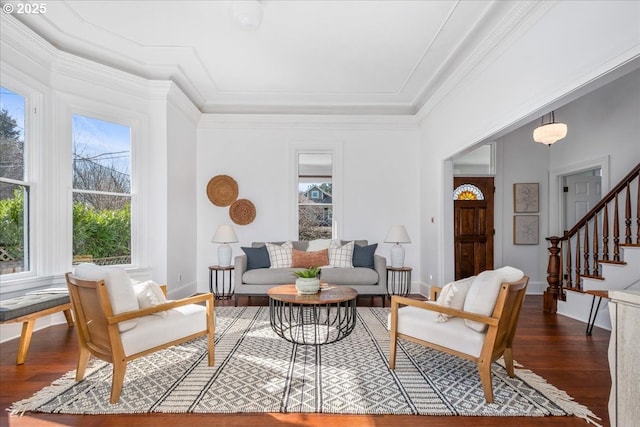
x,y
257,257
363,255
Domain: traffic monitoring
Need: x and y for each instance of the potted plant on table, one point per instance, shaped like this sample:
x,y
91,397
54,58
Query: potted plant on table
x,y
308,280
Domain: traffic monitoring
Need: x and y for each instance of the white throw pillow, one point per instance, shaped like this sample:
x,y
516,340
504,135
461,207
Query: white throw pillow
x,y
280,255
341,256
149,294
121,294
484,290
453,295
318,245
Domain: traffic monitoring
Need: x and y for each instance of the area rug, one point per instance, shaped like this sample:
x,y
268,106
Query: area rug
x,y
257,371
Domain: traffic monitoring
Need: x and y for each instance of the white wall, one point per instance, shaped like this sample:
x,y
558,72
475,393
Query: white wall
x,y
540,65
181,195
379,186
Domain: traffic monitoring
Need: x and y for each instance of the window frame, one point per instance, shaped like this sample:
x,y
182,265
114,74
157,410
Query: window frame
x,y
323,147
32,146
111,114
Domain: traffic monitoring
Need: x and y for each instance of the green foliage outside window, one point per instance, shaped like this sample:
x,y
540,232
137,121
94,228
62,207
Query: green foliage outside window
x,y
12,225
103,233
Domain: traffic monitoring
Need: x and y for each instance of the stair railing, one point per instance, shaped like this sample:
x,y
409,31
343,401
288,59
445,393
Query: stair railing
x,y
594,240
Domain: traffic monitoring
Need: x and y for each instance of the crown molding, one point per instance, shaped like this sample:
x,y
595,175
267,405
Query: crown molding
x,y
316,122
521,16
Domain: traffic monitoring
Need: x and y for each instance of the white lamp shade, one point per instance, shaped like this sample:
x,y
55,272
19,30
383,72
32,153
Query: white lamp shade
x,y
550,133
397,234
224,234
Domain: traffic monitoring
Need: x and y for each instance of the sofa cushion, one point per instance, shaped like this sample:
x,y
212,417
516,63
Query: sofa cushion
x,y
482,295
257,257
318,244
270,276
350,277
363,255
280,255
341,255
305,259
121,293
453,295
149,294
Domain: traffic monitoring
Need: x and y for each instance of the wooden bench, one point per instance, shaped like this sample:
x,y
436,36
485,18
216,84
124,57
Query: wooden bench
x,y
27,308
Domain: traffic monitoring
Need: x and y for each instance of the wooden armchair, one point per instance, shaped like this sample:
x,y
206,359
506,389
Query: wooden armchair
x,y
418,322
100,335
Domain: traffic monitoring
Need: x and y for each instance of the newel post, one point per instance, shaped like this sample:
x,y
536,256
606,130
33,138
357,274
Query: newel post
x,y
553,276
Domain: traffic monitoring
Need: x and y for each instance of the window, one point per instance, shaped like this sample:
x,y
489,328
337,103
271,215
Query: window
x,y
101,191
315,196
14,187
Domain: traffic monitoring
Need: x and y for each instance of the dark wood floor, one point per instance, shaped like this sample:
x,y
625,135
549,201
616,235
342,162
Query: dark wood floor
x,y
554,347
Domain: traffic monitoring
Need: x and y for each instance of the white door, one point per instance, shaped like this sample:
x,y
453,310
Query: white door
x,y
582,193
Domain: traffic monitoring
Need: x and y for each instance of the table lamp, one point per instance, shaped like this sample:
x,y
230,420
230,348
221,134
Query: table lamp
x,y
224,234
397,234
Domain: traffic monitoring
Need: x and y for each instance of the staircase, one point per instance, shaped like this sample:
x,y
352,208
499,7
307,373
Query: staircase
x,y
617,276
601,252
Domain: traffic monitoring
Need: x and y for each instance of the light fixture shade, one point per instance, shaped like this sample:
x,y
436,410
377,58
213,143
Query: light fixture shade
x,y
224,234
550,133
397,234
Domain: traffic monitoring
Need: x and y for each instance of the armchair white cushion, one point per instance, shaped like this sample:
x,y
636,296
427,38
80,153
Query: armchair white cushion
x,y
453,295
453,334
482,295
121,293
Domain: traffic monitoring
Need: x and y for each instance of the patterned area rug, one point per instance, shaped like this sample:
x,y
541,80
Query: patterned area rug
x,y
256,371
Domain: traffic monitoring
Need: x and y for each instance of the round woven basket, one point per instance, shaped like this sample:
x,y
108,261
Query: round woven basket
x,y
222,190
242,212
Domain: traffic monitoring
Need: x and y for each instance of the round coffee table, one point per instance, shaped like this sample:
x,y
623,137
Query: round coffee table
x,y
322,318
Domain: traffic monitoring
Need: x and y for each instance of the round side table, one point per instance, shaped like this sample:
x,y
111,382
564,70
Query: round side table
x,y
398,281
321,318
223,289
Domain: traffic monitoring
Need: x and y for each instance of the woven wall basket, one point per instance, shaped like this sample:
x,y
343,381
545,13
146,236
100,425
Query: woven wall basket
x,y
222,190
242,212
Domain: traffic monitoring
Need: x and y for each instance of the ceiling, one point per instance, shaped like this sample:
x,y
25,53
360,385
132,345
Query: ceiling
x,y
306,57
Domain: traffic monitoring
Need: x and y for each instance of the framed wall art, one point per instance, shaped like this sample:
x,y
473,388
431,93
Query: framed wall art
x,y
526,197
525,229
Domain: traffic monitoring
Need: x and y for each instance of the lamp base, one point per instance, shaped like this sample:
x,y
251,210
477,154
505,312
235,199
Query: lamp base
x,y
224,255
397,256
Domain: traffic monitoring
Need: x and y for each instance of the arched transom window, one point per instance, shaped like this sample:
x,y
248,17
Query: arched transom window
x,y
467,192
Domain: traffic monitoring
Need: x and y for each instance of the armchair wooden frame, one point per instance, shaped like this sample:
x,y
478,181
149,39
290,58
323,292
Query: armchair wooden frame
x,y
98,332
499,336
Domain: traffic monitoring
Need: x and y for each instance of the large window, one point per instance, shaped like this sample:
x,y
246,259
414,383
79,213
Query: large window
x,y
101,191
315,196
14,188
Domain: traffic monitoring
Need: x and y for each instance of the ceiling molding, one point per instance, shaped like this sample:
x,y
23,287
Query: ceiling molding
x,y
336,122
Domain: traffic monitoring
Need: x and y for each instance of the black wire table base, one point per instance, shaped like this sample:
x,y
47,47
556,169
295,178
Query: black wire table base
x,y
312,324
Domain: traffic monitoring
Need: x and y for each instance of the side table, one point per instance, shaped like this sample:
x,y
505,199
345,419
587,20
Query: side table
x,y
224,289
398,281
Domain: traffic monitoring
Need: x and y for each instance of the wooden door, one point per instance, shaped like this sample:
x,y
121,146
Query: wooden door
x,y
473,225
